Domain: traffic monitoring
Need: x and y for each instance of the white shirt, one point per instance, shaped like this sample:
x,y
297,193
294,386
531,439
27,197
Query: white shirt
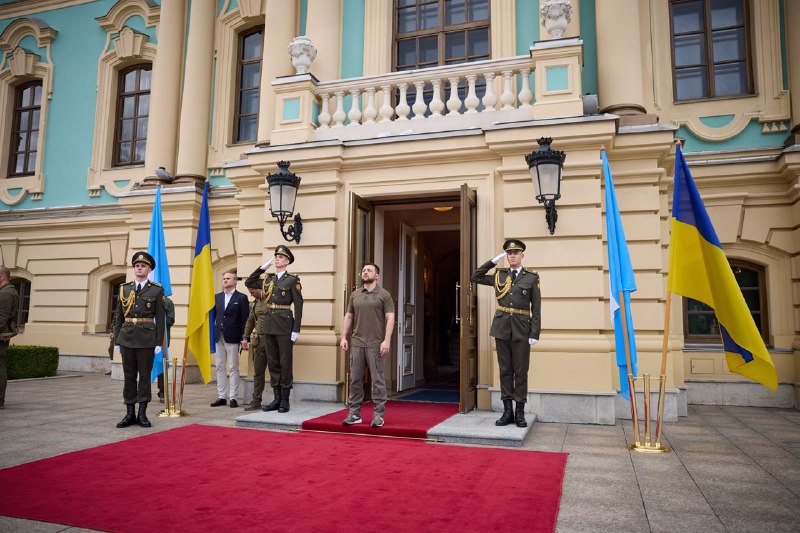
x,y
228,296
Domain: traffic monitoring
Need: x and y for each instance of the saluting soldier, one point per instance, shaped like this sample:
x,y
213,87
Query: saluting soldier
x,y
282,290
516,325
139,332
253,340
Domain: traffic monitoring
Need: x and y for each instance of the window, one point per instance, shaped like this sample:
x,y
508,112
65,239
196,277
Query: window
x,y
25,134
710,49
133,108
700,322
23,288
249,77
113,299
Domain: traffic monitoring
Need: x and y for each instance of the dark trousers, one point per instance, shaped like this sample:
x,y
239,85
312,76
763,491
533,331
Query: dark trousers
x,y
259,370
514,359
137,363
279,360
3,371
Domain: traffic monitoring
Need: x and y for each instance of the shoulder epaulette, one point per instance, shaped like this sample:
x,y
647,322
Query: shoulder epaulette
x,y
501,269
531,271
157,284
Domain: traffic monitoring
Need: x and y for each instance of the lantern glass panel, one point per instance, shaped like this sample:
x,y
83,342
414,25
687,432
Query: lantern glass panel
x,y
548,179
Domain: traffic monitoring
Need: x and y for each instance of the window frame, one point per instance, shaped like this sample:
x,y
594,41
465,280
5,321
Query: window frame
x,y
708,44
764,330
240,62
24,305
113,298
16,111
120,96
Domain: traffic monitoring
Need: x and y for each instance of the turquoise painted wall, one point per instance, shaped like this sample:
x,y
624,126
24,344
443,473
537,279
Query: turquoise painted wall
x,y
70,124
750,137
303,16
527,25
353,39
588,29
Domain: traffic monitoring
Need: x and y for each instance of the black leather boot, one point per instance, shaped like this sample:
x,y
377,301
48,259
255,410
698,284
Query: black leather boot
x,y
284,407
519,417
130,417
508,414
276,400
142,418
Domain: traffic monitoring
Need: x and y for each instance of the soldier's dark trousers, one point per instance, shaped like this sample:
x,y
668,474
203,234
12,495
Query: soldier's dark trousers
x,y
259,370
279,360
513,358
137,363
3,370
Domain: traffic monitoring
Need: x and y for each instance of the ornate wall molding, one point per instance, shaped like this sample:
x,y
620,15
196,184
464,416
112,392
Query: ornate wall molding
x,y
20,66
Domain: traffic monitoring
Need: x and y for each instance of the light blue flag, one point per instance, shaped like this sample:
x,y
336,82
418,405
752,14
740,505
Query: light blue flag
x,y
158,249
620,273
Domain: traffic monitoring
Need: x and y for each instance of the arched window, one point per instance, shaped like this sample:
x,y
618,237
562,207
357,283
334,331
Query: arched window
x,y
113,298
251,46
23,287
133,110
700,322
25,129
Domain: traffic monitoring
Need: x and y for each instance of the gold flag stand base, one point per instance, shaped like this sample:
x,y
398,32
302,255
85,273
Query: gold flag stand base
x,y
172,413
172,409
649,445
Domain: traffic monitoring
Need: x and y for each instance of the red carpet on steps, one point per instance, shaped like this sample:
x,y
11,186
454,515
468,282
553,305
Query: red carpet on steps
x,y
403,419
206,478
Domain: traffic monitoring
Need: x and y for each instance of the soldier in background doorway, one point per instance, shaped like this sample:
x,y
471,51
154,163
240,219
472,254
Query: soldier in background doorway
x,y
253,340
282,290
9,303
516,325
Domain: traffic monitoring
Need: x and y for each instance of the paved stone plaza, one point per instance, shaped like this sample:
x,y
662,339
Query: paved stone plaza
x,y
730,468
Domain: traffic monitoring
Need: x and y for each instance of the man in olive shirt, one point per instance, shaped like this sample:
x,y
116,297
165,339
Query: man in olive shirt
x,y
516,325
282,291
370,316
139,331
253,340
9,302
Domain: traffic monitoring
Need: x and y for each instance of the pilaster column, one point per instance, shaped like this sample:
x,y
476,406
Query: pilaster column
x,y
792,11
196,102
165,93
619,62
281,26
324,28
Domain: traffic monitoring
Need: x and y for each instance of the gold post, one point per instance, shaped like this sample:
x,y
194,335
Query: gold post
x,y
646,403
663,380
634,414
662,384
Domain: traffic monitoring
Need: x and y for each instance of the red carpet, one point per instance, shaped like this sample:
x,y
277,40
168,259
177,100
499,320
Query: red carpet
x,y
403,419
226,479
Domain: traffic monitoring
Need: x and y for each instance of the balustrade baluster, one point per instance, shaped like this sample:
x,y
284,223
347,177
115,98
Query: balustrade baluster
x,y
454,102
355,107
489,98
507,98
386,111
525,95
402,106
471,101
436,105
419,106
370,112
324,118
338,115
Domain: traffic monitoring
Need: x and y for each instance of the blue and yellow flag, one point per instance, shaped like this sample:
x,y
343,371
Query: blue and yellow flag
x,y
621,280
699,269
157,247
200,324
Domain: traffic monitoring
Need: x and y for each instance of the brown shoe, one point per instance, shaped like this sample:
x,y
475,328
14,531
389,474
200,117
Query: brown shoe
x,y
252,406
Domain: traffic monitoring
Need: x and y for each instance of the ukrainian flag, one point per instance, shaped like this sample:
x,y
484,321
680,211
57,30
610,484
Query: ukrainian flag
x,y
699,269
199,327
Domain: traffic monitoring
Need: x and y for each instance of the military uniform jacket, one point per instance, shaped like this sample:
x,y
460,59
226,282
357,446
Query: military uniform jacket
x,y
281,292
9,303
139,320
523,294
254,327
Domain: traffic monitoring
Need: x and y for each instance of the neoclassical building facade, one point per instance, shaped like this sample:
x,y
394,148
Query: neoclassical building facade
x,y
408,123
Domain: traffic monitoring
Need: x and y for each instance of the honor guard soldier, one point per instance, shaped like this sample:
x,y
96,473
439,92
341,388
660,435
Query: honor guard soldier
x,y
516,325
139,332
282,290
253,340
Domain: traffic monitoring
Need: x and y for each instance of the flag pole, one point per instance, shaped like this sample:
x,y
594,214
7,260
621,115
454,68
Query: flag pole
x,y
631,379
662,382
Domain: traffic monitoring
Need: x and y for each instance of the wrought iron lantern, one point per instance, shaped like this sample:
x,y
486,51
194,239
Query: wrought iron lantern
x,y
546,166
283,187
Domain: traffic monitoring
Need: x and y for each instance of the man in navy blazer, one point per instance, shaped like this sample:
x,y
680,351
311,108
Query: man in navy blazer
x,y
231,311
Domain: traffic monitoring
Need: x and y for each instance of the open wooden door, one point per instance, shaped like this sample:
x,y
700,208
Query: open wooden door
x,y
467,303
360,250
407,327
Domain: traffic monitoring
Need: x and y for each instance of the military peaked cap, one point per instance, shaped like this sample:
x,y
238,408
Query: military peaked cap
x,y
512,245
143,257
285,251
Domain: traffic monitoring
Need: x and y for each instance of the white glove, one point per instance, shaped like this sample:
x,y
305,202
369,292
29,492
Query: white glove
x,y
158,350
268,263
498,258
532,341
116,348
294,336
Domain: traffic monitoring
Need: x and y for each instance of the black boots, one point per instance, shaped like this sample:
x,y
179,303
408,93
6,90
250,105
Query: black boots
x,y
142,418
130,417
519,417
284,407
276,401
508,414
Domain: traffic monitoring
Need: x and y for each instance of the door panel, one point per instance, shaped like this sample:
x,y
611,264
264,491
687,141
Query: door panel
x,y
407,327
360,250
467,303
